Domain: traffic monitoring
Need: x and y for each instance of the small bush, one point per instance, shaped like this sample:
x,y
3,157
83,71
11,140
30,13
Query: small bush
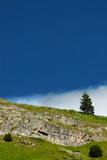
x,y
95,151
7,137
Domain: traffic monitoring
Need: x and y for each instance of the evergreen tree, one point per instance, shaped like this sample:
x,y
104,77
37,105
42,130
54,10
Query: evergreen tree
x,y
86,104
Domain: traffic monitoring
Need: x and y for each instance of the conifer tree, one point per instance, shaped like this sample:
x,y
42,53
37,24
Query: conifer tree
x,y
86,104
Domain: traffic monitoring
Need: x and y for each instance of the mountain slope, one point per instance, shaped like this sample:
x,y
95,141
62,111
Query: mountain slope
x,y
32,127
62,127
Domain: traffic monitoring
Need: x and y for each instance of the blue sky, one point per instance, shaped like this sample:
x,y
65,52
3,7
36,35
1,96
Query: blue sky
x,y
52,46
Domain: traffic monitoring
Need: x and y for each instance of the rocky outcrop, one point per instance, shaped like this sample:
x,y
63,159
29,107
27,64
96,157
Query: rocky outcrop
x,y
19,121
62,136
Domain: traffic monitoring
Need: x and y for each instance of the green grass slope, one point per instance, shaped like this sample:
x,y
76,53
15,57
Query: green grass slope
x,y
22,148
31,149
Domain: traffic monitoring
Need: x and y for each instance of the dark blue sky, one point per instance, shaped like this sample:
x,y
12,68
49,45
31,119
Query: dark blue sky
x,y
52,46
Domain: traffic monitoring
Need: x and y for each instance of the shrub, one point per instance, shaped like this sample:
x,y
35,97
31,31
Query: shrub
x,y
95,151
7,137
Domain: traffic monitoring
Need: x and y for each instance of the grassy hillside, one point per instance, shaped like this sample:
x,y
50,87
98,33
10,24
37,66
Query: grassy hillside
x,y
22,148
31,149
54,111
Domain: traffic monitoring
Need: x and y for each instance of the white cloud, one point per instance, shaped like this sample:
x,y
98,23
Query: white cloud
x,y
69,100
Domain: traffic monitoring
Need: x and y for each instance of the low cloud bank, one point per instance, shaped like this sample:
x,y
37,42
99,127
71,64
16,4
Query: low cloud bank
x,y
69,100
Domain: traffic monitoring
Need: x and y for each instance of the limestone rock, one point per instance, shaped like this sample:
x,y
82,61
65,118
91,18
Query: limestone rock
x,y
19,121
